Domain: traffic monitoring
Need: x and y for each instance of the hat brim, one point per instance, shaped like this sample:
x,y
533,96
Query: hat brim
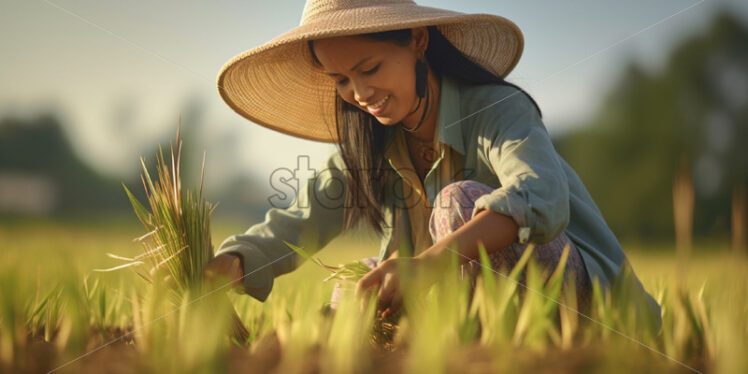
x,y
276,85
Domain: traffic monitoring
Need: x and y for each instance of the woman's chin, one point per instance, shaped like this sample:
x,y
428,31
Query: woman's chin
x,y
387,121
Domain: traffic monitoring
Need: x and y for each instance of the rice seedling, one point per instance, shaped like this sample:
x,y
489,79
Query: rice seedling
x,y
177,244
12,333
109,308
74,332
496,300
435,318
346,348
44,315
383,328
188,339
350,272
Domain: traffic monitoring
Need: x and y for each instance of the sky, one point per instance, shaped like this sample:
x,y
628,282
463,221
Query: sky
x,y
120,73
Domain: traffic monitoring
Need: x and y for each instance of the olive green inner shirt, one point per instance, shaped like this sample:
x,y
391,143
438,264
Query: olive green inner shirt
x,y
447,168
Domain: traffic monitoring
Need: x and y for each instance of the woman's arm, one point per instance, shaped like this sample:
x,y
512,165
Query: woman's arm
x,y
532,202
516,146
494,230
314,218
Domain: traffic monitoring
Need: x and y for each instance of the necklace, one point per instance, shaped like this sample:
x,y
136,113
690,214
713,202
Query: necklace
x,y
423,115
426,150
420,123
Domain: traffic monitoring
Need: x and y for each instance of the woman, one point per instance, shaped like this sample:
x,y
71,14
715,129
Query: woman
x,y
436,151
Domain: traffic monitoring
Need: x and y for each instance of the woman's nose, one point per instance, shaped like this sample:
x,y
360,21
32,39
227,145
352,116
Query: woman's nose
x,y
362,92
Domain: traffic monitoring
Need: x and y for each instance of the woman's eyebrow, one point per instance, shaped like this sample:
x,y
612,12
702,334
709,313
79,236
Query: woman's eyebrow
x,y
354,66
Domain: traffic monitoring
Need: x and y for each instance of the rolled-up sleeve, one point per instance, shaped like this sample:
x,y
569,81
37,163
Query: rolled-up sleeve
x,y
312,220
533,188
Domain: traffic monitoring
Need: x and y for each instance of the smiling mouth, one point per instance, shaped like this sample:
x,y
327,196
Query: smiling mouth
x,y
378,105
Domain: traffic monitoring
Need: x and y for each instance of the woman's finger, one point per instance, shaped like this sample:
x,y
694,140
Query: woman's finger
x,y
395,305
371,278
388,289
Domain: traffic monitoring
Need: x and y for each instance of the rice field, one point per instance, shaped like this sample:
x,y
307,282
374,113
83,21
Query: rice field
x,y
56,315
61,312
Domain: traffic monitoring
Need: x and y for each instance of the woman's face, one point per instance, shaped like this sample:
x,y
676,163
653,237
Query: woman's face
x,y
376,76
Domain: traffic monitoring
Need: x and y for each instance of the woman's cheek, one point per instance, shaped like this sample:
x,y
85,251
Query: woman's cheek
x,y
347,96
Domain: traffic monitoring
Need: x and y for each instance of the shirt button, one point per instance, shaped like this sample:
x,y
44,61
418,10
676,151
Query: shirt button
x,y
523,235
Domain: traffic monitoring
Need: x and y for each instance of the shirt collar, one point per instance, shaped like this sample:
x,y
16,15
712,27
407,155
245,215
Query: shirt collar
x,y
448,129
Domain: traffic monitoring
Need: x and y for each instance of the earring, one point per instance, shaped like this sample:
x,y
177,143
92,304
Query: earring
x,y
421,75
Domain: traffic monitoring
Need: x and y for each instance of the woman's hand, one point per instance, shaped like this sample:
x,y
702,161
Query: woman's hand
x,y
223,268
389,275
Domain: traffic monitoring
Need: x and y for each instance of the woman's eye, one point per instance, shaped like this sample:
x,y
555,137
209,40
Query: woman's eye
x,y
372,71
368,72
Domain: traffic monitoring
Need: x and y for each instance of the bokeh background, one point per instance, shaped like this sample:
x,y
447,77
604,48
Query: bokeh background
x,y
631,92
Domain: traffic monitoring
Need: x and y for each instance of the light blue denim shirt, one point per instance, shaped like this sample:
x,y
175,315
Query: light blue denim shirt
x,y
502,142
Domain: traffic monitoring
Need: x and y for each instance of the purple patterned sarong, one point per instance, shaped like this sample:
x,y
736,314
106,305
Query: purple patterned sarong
x,y
453,208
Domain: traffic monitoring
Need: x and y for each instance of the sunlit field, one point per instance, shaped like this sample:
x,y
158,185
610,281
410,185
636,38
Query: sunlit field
x,y
57,315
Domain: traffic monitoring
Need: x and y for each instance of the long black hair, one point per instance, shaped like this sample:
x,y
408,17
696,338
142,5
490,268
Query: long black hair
x,y
362,138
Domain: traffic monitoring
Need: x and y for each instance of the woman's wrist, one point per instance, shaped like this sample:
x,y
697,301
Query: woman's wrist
x,y
488,228
227,265
436,258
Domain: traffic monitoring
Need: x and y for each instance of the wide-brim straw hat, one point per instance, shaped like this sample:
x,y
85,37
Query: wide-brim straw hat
x,y
276,85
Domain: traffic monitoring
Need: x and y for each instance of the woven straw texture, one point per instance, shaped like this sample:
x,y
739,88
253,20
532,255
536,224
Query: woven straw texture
x,y
277,86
